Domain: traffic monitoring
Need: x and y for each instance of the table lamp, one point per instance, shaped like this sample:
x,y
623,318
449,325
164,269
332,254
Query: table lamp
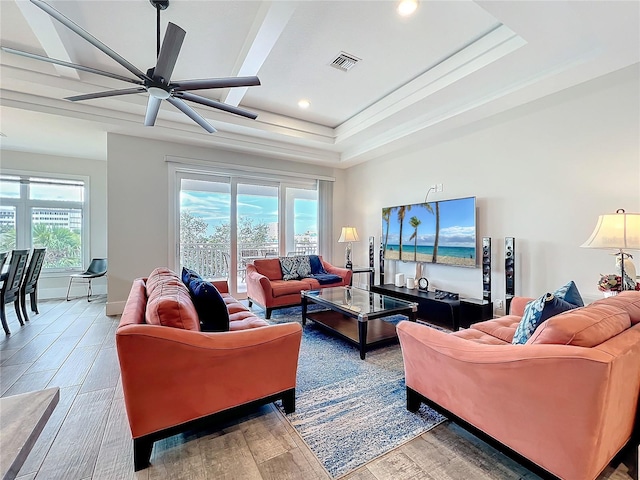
x,y
618,231
348,235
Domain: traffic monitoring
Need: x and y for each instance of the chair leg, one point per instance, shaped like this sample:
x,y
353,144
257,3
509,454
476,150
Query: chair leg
x,y
69,288
16,305
3,318
89,291
34,301
141,453
23,305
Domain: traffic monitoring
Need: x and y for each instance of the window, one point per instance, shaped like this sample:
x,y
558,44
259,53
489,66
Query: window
x,y
47,212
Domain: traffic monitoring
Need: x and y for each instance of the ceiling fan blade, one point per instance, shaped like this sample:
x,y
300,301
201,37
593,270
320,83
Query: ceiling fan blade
x,y
153,105
89,38
171,44
109,93
206,83
70,65
191,113
213,103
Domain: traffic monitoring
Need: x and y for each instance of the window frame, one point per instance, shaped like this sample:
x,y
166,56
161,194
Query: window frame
x,y
24,206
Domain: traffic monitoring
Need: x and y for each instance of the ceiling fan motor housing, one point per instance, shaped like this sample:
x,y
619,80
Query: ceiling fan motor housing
x,y
161,4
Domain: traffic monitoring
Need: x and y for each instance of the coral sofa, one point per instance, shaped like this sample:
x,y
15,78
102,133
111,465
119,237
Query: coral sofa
x,y
175,376
267,288
566,400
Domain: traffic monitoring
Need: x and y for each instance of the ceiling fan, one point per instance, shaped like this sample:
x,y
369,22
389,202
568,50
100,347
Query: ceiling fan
x,y
157,80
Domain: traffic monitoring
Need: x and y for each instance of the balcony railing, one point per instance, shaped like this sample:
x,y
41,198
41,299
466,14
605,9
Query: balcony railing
x,y
212,260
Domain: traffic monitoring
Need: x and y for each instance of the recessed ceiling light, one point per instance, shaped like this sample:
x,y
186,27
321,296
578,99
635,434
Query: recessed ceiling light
x,y
407,7
304,103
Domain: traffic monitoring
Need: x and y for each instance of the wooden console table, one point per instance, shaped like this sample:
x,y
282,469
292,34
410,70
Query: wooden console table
x,y
22,420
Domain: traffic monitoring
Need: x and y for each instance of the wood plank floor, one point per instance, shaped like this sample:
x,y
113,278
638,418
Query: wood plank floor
x,y
72,345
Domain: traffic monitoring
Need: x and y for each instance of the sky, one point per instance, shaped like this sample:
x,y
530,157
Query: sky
x,y
214,208
457,224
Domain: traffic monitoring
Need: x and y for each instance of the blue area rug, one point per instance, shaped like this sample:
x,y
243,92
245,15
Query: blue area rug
x,y
350,411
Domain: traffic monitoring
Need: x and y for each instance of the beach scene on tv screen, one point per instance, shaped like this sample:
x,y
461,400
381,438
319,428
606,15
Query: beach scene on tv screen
x,y
435,232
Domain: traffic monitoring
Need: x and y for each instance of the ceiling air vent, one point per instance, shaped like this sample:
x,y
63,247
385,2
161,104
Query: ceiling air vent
x,y
345,61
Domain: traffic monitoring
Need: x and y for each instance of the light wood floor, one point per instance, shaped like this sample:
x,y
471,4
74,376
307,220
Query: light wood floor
x,y
72,345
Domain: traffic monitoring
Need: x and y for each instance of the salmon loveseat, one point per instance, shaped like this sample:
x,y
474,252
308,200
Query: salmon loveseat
x,y
176,377
267,288
566,400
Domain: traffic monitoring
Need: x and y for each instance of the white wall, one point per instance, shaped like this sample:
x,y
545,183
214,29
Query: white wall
x,y
138,192
541,173
55,285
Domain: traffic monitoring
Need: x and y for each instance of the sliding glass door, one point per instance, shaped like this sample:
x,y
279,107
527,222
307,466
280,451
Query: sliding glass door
x,y
227,222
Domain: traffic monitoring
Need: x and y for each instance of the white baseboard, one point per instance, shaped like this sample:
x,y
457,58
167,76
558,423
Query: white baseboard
x,y
57,293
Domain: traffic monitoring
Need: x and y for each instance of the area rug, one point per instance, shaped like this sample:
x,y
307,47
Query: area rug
x,y
350,411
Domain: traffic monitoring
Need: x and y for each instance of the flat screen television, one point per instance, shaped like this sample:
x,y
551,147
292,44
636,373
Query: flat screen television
x,y
435,232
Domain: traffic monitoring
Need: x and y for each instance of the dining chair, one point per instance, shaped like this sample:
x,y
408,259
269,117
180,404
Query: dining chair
x,y
10,291
30,283
97,268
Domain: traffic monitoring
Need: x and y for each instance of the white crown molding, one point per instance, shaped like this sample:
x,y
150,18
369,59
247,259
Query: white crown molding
x,y
491,47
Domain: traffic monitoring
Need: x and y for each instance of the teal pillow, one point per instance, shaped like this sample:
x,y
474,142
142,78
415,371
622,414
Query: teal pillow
x,y
569,293
536,312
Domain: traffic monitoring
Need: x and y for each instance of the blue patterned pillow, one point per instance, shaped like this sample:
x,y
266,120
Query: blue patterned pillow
x,y
569,293
536,312
294,268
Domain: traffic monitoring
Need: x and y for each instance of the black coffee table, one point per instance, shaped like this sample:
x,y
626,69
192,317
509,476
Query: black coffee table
x,y
356,315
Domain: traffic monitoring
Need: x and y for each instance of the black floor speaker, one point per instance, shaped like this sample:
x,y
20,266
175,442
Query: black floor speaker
x,y
486,268
509,270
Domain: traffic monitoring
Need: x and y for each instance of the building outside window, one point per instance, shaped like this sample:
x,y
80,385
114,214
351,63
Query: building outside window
x,y
47,212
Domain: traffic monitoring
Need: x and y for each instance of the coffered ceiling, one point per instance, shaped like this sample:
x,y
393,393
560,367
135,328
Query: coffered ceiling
x,y
449,64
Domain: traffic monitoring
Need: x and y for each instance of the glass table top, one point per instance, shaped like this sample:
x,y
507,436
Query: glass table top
x,y
357,301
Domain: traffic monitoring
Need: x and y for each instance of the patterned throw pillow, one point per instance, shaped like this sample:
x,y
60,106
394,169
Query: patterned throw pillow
x,y
296,267
536,312
569,293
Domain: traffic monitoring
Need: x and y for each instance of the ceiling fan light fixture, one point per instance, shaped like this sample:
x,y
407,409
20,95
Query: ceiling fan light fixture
x,y
159,93
407,7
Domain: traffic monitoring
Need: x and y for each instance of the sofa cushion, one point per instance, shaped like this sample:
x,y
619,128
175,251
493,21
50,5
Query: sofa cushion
x,y
503,328
629,300
244,320
280,288
583,327
569,293
269,267
211,307
159,276
170,305
536,312
478,337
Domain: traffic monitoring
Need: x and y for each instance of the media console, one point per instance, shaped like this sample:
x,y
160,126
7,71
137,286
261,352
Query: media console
x,y
452,313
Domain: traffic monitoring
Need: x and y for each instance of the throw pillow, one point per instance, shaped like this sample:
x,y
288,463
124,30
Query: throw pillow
x,y
316,265
212,311
188,275
296,267
289,267
569,293
536,312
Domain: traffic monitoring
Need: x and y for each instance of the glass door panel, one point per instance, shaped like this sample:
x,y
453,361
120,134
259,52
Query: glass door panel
x,y
302,221
257,226
205,235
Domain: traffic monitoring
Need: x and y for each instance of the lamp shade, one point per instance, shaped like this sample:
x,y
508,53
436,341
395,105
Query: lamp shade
x,y
620,231
348,234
